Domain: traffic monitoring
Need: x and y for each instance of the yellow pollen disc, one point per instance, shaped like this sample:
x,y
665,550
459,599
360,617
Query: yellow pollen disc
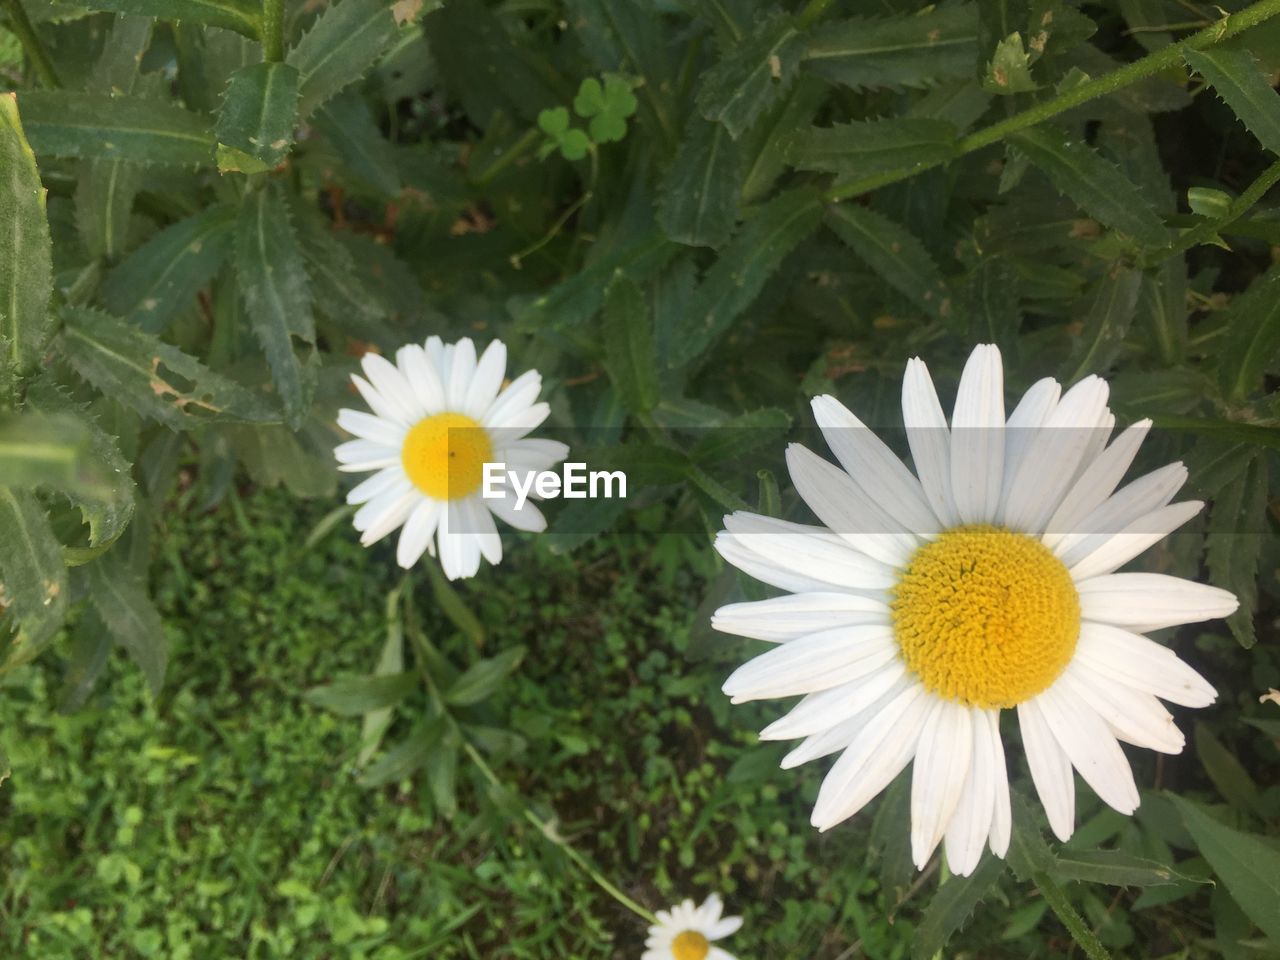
x,y
986,616
690,945
444,455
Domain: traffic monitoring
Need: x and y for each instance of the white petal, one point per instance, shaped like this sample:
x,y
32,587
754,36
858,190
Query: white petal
x,y
1095,484
479,523
520,393
1031,413
1050,769
1142,664
1142,533
462,370
809,551
484,387
1092,747
938,776
823,710
977,437
929,439
392,517
847,510
878,753
1001,817
531,454
816,662
874,467
381,481
1152,599
418,531
1053,456
838,737
1137,499
381,502
794,615
718,953
382,407
359,455
368,427
971,823
423,378
516,426
528,518
1135,717
724,928
390,381
435,350
767,570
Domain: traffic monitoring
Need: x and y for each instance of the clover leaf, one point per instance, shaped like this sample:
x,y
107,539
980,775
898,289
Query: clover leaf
x,y
571,142
608,106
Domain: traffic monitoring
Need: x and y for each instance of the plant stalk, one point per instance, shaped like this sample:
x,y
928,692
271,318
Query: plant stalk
x,y
32,45
273,30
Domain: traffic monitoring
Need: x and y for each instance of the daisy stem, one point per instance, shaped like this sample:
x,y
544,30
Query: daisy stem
x,y
21,25
273,30
1085,938
1163,59
1206,232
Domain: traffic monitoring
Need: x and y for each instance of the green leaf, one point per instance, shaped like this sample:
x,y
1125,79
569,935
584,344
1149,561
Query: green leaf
x,y
41,450
31,571
576,300
1247,865
1163,304
453,606
1106,322
130,616
1010,68
348,124
26,270
442,776
992,302
628,345
340,290
1114,867
152,377
869,147
1240,82
554,121
608,107
481,679
1227,773
259,111
767,146
277,295
405,759
747,262
951,907
1253,337
163,276
390,662
243,16
894,254
1097,185
741,435
1234,543
753,76
355,696
345,41
63,124
910,50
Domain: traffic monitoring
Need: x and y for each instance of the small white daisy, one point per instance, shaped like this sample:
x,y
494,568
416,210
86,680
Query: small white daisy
x,y
439,415
687,932
928,603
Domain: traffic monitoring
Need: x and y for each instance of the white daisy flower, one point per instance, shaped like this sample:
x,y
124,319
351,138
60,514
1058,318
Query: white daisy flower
x,y
927,603
687,932
439,415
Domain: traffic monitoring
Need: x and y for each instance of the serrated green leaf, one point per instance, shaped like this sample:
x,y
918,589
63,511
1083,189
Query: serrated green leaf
x,y
952,906
576,300
1247,865
405,759
1253,337
698,199
628,345
1097,185
1227,773
480,680
259,111
390,662
164,275
88,125
345,41
1162,302
1010,68
894,254
41,450
748,260
753,76
741,435
1234,543
299,460
31,572
349,126
992,302
1238,79
277,295
355,696
1106,322
730,19
767,146
243,16
340,291
1114,867
910,50
152,377
26,265
130,616
863,148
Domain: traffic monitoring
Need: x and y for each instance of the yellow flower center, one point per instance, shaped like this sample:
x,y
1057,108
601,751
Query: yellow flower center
x,y
690,945
986,616
444,455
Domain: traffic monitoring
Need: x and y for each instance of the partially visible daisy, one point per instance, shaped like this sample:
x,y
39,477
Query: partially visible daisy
x,y
687,932
930,602
439,415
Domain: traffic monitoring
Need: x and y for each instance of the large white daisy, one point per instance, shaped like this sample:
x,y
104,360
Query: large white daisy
x,y
439,415
929,602
686,932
